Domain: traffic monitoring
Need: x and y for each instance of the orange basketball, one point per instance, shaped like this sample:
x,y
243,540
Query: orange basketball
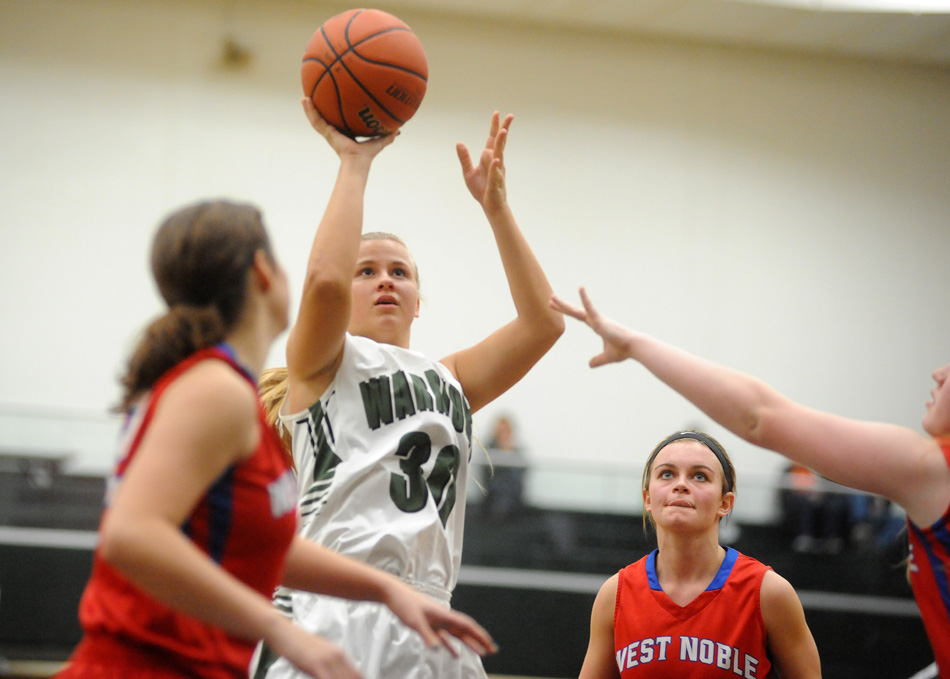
x,y
365,71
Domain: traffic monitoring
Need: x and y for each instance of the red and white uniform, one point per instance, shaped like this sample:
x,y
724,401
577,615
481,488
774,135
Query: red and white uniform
x,y
930,578
245,523
720,633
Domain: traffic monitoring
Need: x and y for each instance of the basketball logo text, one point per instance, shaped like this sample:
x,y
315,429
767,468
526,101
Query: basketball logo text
x,y
366,115
400,95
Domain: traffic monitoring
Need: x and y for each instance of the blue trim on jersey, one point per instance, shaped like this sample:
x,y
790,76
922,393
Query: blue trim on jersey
x,y
221,503
724,570
942,535
717,583
232,354
651,571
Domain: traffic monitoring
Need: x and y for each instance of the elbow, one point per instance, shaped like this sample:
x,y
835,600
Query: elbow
x,y
115,543
552,327
752,429
323,285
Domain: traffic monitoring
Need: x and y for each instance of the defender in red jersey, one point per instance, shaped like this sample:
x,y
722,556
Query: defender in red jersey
x,y
894,462
691,608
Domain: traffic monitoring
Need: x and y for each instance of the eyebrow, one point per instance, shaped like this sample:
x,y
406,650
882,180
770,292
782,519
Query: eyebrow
x,y
692,466
374,260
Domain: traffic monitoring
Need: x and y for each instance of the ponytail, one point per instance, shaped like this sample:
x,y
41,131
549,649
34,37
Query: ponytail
x,y
201,259
167,341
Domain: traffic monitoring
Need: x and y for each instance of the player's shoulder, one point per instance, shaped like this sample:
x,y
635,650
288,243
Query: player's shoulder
x,y
777,591
215,385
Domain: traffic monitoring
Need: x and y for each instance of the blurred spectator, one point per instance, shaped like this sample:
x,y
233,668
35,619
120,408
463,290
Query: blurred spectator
x,y
504,478
818,518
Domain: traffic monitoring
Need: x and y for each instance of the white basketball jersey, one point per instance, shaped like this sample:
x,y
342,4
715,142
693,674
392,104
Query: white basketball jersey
x,y
382,464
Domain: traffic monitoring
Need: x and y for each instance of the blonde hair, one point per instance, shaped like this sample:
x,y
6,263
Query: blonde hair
x,y
272,390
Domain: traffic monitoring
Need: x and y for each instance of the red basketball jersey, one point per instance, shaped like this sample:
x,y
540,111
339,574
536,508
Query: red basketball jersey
x,y
720,633
245,523
929,573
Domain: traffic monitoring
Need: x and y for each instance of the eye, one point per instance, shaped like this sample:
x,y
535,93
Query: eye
x,y
665,474
702,476
399,271
365,271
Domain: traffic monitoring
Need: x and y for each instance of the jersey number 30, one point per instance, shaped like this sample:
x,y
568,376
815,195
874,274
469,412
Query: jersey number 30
x,y
410,490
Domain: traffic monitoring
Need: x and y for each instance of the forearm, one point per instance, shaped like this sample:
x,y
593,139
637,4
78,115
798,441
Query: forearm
x,y
160,560
527,282
314,568
733,399
337,238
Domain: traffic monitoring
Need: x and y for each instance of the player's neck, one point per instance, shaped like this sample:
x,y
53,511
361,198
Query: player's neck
x,y
689,558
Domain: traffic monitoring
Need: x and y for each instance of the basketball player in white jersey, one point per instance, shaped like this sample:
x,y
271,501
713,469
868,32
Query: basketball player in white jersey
x,y
381,435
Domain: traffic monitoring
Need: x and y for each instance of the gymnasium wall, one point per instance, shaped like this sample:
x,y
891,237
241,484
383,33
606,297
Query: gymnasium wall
x,y
786,214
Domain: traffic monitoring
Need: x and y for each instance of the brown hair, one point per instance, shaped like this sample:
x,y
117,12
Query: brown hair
x,y
201,259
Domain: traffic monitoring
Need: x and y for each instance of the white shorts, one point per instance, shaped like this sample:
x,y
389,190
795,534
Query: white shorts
x,y
377,642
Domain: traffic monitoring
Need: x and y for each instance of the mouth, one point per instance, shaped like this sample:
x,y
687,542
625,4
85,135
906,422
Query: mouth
x,y
680,503
386,300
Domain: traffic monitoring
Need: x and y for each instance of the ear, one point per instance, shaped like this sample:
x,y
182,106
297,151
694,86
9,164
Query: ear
x,y
647,506
726,505
418,306
262,270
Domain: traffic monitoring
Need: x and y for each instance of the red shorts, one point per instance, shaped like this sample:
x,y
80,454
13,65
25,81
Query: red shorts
x,y
104,657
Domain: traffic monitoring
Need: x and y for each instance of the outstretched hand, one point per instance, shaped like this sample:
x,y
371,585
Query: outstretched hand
x,y
486,181
338,141
617,338
315,656
437,623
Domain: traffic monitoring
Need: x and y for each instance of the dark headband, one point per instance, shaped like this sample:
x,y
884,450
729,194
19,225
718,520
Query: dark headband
x,y
707,441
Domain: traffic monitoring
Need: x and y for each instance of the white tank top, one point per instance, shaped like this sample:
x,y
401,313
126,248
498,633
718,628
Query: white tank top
x,y
382,463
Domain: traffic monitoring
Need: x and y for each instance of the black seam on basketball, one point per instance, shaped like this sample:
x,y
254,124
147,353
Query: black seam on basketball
x,y
352,48
370,95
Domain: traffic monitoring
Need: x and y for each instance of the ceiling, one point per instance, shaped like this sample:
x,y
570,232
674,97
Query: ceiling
x,y
892,36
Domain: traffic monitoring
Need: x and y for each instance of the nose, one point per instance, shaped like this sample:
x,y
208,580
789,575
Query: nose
x,y
385,282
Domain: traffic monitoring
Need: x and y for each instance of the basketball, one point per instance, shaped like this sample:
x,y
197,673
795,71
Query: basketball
x,y
365,71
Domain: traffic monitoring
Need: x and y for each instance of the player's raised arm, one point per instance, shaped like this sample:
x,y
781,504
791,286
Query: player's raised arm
x,y
492,366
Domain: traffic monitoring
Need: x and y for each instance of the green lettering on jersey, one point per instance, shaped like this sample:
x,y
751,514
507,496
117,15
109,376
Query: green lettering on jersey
x,y
421,391
325,460
377,401
402,396
438,389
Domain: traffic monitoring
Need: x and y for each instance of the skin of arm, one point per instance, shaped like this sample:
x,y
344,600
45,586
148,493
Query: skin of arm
x,y
315,343
315,568
885,459
792,648
491,367
600,662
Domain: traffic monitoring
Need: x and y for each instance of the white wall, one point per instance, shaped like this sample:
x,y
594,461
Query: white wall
x,y
785,214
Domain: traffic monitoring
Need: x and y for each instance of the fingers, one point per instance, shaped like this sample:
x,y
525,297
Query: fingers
x,y
464,157
470,633
498,151
446,639
560,305
316,120
492,130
